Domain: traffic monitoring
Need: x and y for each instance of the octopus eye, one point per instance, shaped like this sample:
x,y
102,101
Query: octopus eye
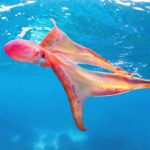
x,y
43,56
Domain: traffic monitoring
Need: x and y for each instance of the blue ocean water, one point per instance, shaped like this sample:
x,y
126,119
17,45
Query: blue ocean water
x,y
34,110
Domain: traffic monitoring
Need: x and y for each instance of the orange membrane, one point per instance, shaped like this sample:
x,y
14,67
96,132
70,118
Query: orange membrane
x,y
58,51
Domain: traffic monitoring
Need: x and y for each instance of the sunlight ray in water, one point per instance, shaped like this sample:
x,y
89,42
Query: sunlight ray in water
x,y
23,32
4,8
135,4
